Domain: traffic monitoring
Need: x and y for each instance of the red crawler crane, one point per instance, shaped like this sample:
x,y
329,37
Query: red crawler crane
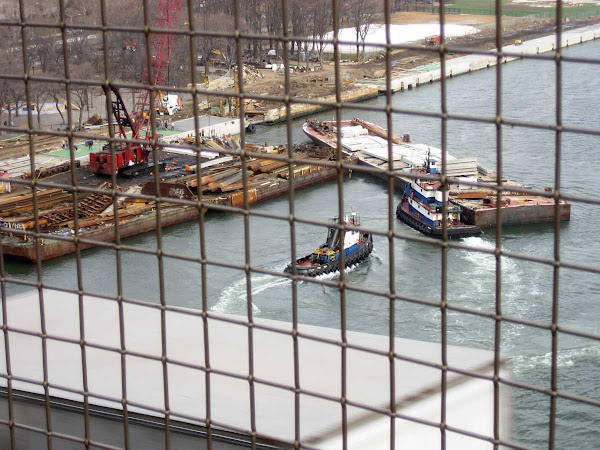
x,y
161,44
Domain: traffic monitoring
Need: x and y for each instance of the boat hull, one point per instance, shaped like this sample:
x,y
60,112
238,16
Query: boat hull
x,y
453,232
349,260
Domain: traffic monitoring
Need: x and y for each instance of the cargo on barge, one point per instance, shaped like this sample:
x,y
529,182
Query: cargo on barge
x,y
369,144
221,184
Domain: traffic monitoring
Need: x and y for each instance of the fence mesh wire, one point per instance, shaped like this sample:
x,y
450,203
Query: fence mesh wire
x,y
67,80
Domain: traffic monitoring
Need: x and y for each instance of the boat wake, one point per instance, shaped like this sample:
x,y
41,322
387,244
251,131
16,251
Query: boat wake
x,y
485,261
565,358
233,299
376,257
347,270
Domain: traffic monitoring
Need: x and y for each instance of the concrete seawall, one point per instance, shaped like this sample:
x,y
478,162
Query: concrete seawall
x,y
355,94
470,63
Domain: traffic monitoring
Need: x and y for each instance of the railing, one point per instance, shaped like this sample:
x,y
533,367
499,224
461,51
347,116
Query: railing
x,y
232,23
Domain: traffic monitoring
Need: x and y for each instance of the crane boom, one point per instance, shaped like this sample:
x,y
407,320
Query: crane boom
x,y
161,44
166,18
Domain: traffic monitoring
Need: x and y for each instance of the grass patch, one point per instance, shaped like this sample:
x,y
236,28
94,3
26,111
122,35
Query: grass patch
x,y
512,9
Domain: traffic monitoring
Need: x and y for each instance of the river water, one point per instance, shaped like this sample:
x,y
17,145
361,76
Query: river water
x,y
528,157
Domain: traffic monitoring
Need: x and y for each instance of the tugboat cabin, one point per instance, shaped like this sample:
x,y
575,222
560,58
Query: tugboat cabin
x,y
425,202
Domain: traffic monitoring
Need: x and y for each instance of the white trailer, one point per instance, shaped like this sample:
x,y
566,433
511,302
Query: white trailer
x,y
171,104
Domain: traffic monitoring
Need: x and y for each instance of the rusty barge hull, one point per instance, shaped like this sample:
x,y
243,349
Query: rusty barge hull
x,y
14,247
53,248
516,215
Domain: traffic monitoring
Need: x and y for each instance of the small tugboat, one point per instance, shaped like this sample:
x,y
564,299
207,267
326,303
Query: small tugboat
x,y
421,208
326,259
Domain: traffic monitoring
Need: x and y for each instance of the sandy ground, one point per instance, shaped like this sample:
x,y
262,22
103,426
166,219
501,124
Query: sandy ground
x,y
405,18
318,84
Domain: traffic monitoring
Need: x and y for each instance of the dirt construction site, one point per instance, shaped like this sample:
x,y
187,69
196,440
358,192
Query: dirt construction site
x,y
321,83
317,79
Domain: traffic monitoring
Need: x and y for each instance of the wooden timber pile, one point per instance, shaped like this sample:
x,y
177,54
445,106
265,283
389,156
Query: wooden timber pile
x,y
21,203
261,171
17,210
44,166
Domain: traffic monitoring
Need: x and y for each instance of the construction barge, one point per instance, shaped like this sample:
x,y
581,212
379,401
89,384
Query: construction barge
x,y
221,184
368,143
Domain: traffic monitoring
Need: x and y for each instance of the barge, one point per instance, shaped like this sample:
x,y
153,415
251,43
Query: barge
x,y
368,143
357,246
221,184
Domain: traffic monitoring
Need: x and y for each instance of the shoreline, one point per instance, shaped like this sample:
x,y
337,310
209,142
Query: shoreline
x,y
366,89
470,63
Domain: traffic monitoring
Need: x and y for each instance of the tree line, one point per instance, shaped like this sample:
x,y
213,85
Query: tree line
x,y
125,55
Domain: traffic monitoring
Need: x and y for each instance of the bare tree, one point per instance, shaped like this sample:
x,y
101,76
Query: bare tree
x,y
252,17
299,18
219,48
83,11
271,11
81,92
4,99
321,23
39,95
56,92
362,15
17,98
16,93
45,47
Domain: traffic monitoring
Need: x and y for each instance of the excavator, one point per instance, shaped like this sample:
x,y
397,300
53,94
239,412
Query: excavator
x,y
130,158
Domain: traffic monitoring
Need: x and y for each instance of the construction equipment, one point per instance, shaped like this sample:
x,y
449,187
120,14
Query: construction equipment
x,y
433,40
161,44
131,46
171,103
217,58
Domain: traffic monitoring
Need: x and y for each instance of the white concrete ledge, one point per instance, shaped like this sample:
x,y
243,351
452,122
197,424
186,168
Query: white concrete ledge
x,y
470,400
470,63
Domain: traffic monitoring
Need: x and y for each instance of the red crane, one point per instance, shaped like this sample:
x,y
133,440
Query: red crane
x,y
161,44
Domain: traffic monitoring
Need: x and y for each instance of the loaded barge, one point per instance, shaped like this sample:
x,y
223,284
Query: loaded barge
x,y
221,184
368,143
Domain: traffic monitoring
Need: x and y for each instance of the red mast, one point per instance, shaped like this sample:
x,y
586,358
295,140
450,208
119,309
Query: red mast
x,y
161,44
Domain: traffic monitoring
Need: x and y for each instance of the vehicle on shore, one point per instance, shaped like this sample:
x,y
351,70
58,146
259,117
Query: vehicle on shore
x,y
356,247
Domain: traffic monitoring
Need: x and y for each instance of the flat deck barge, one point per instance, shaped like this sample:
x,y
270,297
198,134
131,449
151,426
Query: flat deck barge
x,y
221,184
368,143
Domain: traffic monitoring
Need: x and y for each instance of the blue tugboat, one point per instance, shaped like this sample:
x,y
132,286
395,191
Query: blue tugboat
x,y
421,208
326,259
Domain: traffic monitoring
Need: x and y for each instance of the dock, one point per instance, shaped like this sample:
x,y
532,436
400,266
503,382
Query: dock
x,y
355,93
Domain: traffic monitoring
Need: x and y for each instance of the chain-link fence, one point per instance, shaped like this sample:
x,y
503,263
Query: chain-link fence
x,y
42,58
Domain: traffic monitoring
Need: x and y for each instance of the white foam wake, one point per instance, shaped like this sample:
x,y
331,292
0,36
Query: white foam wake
x,y
486,261
347,270
564,358
233,298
